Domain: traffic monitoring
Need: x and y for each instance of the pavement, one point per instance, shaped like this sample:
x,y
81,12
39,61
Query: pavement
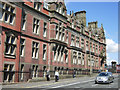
x,y
79,82
46,83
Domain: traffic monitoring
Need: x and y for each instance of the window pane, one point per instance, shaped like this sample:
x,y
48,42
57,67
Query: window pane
x,y
12,10
22,41
36,53
7,48
12,40
5,67
12,49
11,67
7,39
38,7
6,16
11,19
7,7
32,52
21,51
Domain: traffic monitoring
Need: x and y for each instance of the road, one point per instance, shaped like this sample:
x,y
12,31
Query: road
x,y
81,83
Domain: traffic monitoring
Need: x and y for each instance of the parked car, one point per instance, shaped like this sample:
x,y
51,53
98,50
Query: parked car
x,y
104,77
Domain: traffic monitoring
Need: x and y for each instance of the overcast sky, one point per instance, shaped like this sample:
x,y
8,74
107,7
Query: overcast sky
x,y
105,13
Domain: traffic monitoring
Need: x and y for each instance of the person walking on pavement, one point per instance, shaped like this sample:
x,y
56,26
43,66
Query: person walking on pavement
x,y
48,75
56,76
73,73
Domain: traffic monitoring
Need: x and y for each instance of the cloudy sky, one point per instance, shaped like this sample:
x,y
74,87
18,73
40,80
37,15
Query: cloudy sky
x,y
105,13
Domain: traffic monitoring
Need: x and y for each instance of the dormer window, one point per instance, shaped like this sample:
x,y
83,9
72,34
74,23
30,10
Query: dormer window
x,y
57,8
45,4
37,5
63,12
60,9
72,23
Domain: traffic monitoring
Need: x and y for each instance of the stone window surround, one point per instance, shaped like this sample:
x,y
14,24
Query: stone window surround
x,y
35,53
8,13
45,5
67,37
60,32
22,70
59,53
44,51
9,70
74,57
72,40
82,43
87,45
10,45
34,71
60,9
66,56
77,42
45,29
79,58
37,5
96,49
24,18
83,55
22,48
36,26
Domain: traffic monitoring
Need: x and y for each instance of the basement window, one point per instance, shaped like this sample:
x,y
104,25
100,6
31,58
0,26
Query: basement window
x,y
9,73
22,73
34,71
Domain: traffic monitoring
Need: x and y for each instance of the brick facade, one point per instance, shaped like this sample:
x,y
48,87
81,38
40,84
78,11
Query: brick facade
x,y
41,35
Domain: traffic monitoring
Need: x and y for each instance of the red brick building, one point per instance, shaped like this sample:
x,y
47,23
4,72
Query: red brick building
x,y
35,36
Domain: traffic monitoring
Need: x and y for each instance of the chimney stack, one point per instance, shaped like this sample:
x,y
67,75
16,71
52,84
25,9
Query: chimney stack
x,y
93,24
81,17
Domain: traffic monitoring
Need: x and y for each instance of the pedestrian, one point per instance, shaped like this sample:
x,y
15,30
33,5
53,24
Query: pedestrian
x,y
48,75
99,70
56,76
73,73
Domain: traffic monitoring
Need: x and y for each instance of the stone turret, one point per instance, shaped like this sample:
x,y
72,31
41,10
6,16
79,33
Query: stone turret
x,y
81,17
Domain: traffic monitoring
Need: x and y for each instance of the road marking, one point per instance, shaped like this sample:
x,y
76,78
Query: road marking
x,y
48,84
53,83
94,85
71,84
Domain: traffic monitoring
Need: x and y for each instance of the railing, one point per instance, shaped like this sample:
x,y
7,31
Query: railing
x,y
42,73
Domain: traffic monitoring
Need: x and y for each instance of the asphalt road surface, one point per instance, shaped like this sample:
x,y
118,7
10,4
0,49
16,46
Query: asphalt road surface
x,y
78,83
